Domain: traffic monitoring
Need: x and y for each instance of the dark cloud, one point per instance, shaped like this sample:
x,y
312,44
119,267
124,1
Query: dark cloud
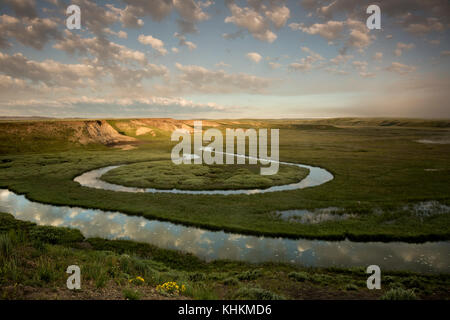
x,y
34,32
23,8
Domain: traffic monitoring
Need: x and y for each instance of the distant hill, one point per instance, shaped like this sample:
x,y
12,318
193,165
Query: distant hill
x,y
382,122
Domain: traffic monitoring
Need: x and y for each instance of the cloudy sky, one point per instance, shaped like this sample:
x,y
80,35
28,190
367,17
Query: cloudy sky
x,y
225,59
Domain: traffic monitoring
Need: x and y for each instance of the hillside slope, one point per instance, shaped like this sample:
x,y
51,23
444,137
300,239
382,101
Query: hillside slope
x,y
39,135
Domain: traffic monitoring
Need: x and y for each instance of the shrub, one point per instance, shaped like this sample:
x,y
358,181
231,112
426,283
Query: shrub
x,y
231,281
298,276
351,287
45,270
200,292
131,294
197,276
255,293
249,275
6,246
56,235
399,294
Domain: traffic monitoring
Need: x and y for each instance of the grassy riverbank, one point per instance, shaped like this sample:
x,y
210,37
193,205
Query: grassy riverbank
x,y
381,174
33,261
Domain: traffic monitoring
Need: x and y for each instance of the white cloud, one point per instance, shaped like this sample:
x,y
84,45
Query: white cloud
x,y
306,64
155,43
255,57
358,34
400,68
278,15
251,20
200,79
49,72
120,34
330,30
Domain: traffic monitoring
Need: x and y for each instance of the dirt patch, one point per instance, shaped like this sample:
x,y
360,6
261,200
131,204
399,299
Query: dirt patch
x,y
144,130
125,147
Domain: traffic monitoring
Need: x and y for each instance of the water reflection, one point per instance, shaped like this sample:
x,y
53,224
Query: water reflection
x,y
209,245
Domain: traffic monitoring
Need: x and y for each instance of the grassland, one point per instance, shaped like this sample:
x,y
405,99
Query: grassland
x,y
33,260
166,175
378,170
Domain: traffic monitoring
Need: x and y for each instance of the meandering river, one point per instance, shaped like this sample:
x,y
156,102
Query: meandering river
x,y
428,257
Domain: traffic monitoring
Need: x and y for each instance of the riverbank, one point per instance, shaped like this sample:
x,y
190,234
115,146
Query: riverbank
x,y
33,260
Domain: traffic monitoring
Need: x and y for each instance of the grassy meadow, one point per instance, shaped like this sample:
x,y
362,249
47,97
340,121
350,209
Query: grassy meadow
x,y
380,169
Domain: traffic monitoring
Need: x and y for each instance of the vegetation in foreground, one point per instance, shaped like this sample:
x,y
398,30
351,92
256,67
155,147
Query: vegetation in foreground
x,y
33,261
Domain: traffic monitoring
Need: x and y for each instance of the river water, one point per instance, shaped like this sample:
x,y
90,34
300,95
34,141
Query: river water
x,y
430,257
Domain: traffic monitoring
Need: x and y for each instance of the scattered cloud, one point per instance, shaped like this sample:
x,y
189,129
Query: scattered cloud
x,y
32,32
378,56
308,63
258,19
400,68
155,43
183,42
401,47
330,30
200,79
253,56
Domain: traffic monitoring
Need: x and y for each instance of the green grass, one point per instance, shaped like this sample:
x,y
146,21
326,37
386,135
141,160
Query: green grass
x,y
399,294
109,265
376,169
166,175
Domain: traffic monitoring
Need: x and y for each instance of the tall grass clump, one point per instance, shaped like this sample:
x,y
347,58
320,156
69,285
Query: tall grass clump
x,y
399,294
6,246
255,293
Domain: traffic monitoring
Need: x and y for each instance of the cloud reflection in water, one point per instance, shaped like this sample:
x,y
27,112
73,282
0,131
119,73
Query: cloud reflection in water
x,y
210,245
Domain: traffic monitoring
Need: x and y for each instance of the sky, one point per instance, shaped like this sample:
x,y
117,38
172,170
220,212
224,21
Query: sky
x,y
189,59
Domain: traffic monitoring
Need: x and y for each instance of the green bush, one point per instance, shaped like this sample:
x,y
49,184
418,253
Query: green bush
x,y
298,276
399,294
231,281
351,287
197,276
249,275
56,235
131,294
255,293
